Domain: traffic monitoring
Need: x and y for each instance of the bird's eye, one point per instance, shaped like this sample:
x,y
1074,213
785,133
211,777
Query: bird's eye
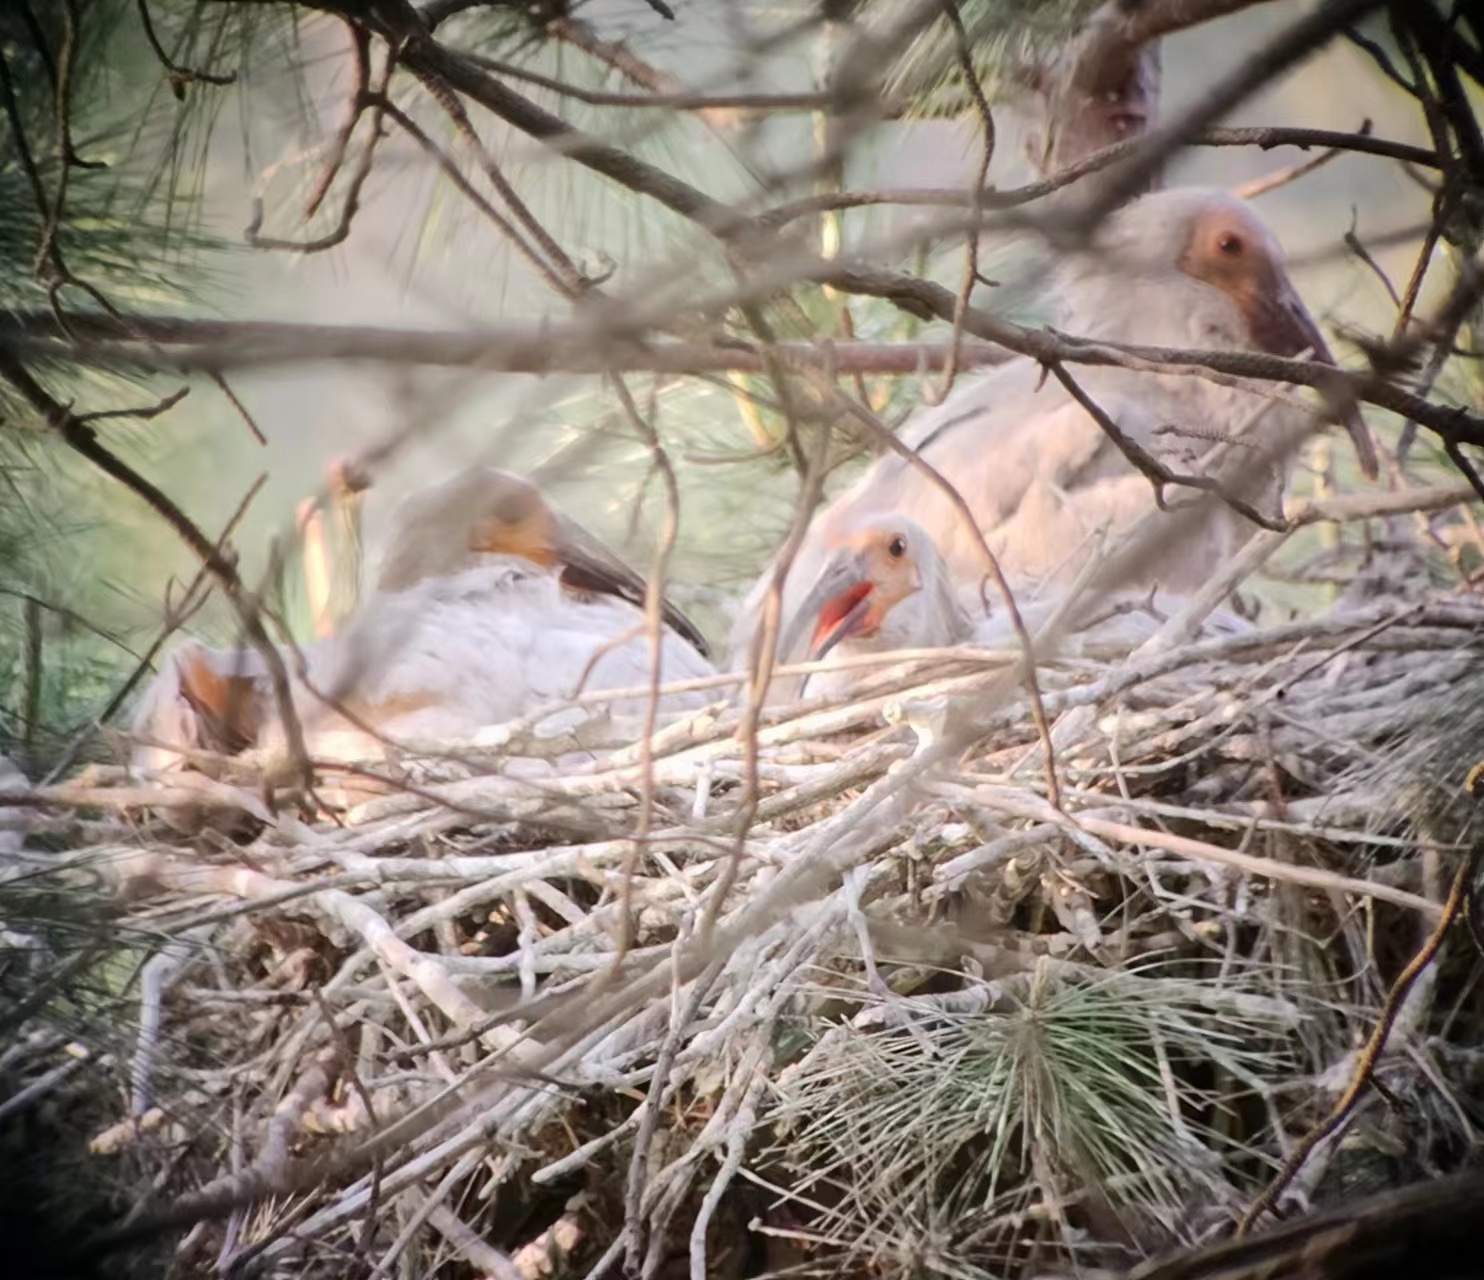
x,y
1230,244
897,548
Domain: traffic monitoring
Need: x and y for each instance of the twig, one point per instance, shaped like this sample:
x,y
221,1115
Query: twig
x,y
360,45
1268,868
1292,173
192,599
161,970
654,624
971,247
661,97
146,414
242,411
1264,137
568,280
350,206
1355,245
178,75
77,1059
1298,41
66,65
31,676
1155,471
1373,1048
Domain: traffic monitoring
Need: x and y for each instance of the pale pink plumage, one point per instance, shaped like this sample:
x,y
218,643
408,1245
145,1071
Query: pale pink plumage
x,y
1043,481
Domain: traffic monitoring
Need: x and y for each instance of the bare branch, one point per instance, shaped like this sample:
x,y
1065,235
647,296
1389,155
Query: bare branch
x,y
1374,1047
361,103
664,96
178,76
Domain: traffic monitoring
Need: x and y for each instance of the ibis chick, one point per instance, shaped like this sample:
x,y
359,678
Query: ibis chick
x,y
1043,480
488,606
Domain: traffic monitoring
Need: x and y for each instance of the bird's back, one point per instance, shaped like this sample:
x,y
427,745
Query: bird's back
x,y
484,646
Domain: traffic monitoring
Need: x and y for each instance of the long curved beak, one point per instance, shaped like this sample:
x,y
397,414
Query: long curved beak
x,y
835,608
587,565
1282,325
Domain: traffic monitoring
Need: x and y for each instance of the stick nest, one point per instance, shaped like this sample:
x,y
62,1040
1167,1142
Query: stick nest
x,y
871,1004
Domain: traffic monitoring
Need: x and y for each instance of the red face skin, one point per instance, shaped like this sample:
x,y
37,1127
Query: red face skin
x,y
1228,252
872,572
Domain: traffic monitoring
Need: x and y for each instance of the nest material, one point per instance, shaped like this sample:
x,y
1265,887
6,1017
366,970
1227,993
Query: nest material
x,y
913,1017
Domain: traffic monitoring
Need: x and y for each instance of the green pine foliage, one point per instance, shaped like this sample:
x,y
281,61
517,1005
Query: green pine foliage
x,y
99,217
925,1125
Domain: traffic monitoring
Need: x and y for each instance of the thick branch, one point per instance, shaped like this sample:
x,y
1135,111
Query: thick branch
x,y
175,343
144,344
1264,137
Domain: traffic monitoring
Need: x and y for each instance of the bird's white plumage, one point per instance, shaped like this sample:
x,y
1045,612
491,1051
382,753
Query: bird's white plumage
x,y
443,659
490,644
1045,484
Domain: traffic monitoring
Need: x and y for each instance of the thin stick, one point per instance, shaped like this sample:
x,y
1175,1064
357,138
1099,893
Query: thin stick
x,y
1369,1056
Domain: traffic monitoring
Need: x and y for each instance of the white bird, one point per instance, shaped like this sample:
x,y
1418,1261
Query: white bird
x,y
1042,479
883,586
484,511
485,645
488,606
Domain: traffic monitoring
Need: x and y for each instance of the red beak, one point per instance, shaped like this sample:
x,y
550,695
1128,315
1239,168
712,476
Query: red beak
x,y
842,616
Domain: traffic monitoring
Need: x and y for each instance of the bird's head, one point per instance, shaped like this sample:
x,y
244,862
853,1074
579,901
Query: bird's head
x,y
479,511
204,699
484,511
870,570
1208,270
511,518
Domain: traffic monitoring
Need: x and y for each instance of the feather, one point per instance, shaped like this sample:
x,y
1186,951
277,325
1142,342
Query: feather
x,y
1045,484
